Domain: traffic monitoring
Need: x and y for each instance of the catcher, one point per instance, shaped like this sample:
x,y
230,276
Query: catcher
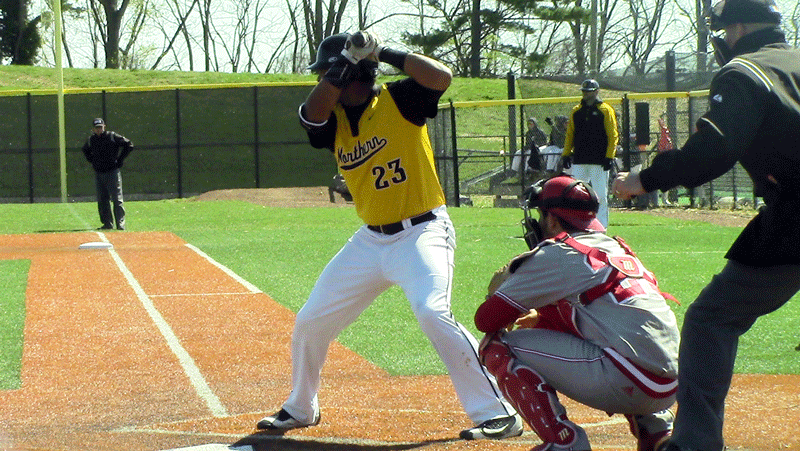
x,y
579,315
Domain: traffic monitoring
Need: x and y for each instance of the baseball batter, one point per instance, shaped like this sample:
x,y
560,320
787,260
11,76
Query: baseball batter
x,y
378,135
591,323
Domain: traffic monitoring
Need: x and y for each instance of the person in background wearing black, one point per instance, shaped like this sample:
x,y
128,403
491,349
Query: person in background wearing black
x,y
753,118
106,151
535,138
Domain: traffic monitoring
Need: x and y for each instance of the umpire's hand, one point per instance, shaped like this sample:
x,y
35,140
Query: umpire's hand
x,y
627,185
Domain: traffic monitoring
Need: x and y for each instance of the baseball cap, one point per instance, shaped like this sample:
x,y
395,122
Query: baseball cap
x,y
590,85
728,12
571,200
98,121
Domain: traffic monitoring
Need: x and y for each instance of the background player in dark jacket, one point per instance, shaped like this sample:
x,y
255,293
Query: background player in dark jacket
x,y
591,143
590,323
753,118
106,151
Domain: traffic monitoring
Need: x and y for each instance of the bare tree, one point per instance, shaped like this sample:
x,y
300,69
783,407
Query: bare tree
x,y
644,31
321,20
791,23
181,29
698,32
207,27
108,16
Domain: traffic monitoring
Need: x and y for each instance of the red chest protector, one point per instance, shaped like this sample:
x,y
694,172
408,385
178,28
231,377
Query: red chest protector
x,y
627,278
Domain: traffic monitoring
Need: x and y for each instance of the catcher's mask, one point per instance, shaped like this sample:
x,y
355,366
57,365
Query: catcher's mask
x,y
729,12
572,200
330,52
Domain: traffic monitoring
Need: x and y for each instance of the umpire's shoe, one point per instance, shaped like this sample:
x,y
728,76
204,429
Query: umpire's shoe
x,y
496,428
283,421
673,447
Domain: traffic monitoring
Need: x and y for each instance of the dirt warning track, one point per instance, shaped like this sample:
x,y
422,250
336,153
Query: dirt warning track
x,y
152,345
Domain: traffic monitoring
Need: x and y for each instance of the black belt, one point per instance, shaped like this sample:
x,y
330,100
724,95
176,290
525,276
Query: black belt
x,y
395,227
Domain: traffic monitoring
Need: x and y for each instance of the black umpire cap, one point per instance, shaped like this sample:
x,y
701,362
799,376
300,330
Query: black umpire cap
x,y
729,12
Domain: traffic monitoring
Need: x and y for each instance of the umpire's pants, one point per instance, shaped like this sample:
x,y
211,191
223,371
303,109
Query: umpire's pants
x,y
109,189
726,308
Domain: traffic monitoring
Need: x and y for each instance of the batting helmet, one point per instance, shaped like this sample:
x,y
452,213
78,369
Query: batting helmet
x,y
590,85
329,52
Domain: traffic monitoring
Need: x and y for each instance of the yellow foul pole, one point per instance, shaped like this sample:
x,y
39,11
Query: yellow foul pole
x,y
62,143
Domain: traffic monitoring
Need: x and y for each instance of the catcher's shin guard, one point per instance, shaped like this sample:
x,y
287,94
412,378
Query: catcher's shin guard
x,y
534,399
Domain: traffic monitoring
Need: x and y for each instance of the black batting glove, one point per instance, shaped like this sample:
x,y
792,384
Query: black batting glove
x,y
341,74
608,164
566,162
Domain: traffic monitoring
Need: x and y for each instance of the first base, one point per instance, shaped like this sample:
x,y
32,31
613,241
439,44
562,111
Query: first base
x,y
96,245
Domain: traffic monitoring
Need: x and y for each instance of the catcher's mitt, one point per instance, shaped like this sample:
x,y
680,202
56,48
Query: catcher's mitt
x,y
498,278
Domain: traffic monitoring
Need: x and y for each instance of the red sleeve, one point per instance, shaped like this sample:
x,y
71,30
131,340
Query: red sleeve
x,y
495,314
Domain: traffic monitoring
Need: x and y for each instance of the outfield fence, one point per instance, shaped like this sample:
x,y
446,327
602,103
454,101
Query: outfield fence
x,y
197,138
187,140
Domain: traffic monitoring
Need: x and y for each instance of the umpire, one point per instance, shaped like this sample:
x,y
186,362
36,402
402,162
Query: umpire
x,y
753,118
106,151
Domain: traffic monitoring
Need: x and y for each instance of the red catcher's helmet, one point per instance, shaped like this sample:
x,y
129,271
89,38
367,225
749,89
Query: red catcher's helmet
x,y
571,200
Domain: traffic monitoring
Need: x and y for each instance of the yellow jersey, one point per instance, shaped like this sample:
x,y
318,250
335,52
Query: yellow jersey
x,y
388,165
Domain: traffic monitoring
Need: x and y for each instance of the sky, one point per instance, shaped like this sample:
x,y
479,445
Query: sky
x,y
272,27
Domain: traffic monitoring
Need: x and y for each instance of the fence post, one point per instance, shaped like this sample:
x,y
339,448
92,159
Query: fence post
x,y
30,151
626,137
512,127
103,104
690,117
733,184
178,141
256,145
454,141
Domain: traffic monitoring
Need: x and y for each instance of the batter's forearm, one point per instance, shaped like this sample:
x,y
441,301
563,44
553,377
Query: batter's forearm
x,y
428,72
320,102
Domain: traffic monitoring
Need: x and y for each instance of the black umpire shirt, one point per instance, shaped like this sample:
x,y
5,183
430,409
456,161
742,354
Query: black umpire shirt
x,y
753,118
103,150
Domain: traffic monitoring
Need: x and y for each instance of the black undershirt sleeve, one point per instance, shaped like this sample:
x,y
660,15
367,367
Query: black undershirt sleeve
x,y
415,102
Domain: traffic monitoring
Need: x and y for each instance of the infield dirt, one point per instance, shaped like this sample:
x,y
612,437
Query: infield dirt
x,y
100,373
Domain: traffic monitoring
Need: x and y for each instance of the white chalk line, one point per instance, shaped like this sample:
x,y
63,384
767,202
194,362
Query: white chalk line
x,y
204,390
188,364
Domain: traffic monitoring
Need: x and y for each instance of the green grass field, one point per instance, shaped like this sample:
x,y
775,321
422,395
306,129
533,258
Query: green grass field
x,y
13,277
262,244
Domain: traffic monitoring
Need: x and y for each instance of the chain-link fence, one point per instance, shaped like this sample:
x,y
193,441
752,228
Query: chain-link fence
x,y
487,145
